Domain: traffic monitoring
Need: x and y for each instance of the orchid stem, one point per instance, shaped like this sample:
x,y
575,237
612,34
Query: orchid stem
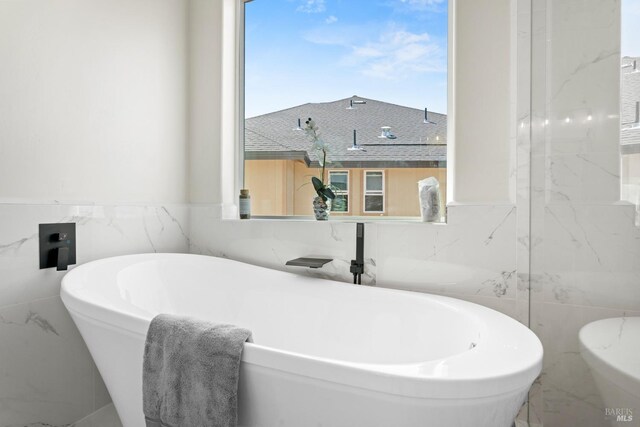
x,y
324,162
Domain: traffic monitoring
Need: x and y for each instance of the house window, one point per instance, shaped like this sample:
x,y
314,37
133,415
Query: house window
x,y
339,183
305,59
373,191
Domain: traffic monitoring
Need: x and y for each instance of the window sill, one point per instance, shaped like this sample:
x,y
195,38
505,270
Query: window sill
x,y
340,219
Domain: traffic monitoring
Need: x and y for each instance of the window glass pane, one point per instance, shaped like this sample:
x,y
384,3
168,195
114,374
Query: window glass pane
x,y
340,203
339,181
373,106
373,203
630,105
374,181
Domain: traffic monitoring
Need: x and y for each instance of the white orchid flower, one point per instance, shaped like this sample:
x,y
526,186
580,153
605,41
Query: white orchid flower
x,y
311,129
310,126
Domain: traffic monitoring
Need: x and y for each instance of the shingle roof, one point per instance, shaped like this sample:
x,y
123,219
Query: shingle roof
x,y
417,144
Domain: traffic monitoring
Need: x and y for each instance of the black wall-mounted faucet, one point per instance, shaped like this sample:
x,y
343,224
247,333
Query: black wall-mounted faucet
x,y
57,245
357,265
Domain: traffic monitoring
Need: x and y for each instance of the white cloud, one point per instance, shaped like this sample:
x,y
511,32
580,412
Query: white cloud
x,y
418,5
367,52
339,35
331,19
422,3
312,6
390,52
396,54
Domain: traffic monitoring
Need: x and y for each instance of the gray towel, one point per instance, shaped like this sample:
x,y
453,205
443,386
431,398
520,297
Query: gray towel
x,y
190,372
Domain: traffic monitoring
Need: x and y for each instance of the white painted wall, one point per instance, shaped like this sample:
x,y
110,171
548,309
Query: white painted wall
x,y
481,158
205,118
482,85
93,100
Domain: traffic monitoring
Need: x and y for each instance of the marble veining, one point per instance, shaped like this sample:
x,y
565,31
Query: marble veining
x,y
334,234
584,158
32,318
585,66
472,256
583,242
41,322
498,285
15,246
489,239
49,378
178,223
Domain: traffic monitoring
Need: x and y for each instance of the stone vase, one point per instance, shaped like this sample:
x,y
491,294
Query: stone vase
x,y
321,208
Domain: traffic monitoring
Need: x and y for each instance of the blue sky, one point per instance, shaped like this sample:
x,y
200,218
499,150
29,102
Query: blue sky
x,y
300,51
630,28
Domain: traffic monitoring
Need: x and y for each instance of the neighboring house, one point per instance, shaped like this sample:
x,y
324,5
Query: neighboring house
x,y
630,104
397,148
630,128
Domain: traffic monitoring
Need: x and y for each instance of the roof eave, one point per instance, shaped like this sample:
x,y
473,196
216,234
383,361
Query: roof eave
x,y
278,155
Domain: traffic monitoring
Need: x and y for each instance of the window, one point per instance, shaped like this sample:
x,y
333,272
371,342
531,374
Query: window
x,y
306,59
339,182
630,105
374,191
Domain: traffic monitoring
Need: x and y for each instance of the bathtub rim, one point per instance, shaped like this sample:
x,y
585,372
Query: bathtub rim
x,y
395,379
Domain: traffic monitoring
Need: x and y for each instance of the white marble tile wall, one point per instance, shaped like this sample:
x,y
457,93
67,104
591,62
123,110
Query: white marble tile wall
x,y
472,257
48,376
585,268
584,243
569,394
591,257
583,101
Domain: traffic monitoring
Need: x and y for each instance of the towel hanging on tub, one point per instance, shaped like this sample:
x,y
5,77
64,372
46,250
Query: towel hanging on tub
x,y
190,372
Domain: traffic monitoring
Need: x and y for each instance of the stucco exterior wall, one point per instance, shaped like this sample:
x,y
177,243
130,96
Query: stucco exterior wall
x,y
283,187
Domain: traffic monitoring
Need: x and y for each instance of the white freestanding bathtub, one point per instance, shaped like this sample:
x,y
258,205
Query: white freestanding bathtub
x,y
324,353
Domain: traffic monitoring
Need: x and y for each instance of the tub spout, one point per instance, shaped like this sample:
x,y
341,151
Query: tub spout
x,y
308,262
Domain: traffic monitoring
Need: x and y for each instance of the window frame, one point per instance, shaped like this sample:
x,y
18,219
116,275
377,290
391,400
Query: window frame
x,y
341,192
233,144
366,192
